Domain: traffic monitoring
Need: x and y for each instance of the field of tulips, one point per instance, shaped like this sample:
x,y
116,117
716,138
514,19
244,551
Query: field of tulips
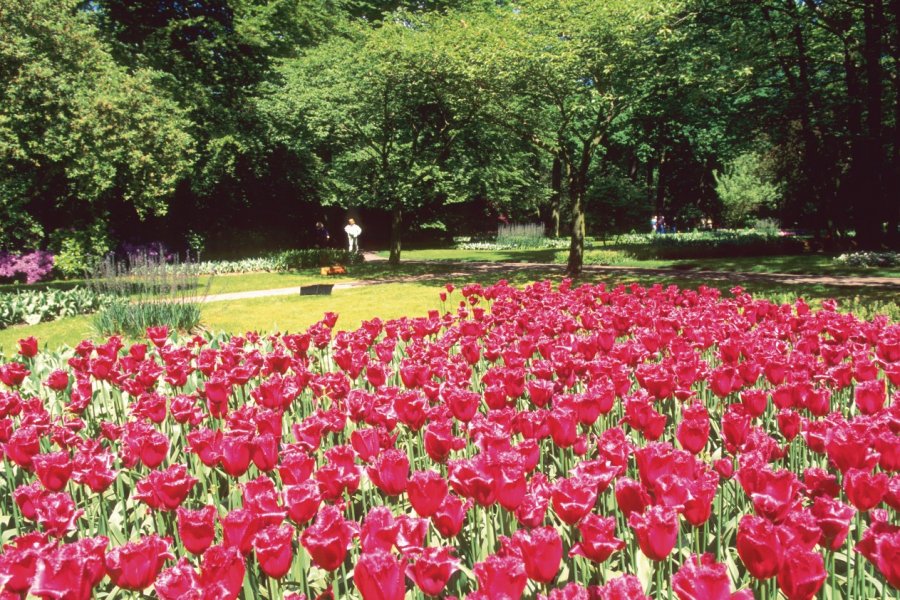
x,y
570,443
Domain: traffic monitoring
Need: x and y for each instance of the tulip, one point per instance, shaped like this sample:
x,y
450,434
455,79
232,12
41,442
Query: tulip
x,y
448,519
379,530
542,551
758,547
197,528
501,577
19,560
865,490
833,518
426,490
302,501
53,469
328,539
693,431
631,496
223,566
702,578
573,498
136,565
656,530
623,587
598,538
57,514
70,571
801,575
390,472
870,396
273,550
379,576
180,582
432,569
239,528
165,490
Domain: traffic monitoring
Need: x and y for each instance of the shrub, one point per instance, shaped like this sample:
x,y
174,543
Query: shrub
x,y
745,189
869,259
708,244
148,292
33,307
78,249
30,266
290,260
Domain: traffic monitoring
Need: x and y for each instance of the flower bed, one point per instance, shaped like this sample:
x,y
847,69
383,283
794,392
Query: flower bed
x,y
568,443
33,307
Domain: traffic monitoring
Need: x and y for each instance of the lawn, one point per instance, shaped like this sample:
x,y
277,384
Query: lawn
x,y
806,264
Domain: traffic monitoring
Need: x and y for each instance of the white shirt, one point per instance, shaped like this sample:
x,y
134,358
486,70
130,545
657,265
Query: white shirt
x,y
353,230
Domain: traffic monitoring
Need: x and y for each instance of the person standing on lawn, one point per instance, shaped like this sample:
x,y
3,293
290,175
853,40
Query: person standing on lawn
x,y
322,237
353,232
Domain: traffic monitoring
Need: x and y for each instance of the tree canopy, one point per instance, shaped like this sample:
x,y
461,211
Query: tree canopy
x,y
244,121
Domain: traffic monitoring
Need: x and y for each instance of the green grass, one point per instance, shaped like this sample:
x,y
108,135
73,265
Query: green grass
x,y
805,264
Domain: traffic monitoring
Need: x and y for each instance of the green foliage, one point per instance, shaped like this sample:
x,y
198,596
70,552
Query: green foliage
x,y
77,130
32,307
147,292
78,250
708,244
292,260
745,189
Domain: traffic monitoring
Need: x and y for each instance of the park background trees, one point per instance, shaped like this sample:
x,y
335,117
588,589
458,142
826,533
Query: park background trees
x,y
239,123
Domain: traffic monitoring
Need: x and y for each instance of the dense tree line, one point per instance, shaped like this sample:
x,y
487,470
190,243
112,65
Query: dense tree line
x,y
219,119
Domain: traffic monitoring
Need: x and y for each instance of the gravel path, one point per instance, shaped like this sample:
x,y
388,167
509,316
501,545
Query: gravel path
x,y
460,269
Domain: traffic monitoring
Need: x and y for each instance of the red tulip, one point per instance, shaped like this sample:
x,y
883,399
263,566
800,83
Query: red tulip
x,y
448,519
379,530
13,374
693,430
28,347
136,565
239,527
302,501
426,490
623,587
775,494
573,498
165,490
390,472
702,578
19,560
865,490
328,539
501,577
788,423
180,582
379,576
57,381
57,514
197,528
758,547
870,396
598,538
833,518
542,552
23,445
801,575
273,550
432,569
656,530
631,496
70,571
223,566
53,469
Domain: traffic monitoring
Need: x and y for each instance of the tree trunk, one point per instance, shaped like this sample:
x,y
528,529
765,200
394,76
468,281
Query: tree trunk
x,y
396,225
555,197
893,179
870,205
576,247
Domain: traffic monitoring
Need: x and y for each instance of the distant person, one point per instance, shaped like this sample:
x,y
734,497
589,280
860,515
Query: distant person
x,y
322,238
653,224
353,232
661,224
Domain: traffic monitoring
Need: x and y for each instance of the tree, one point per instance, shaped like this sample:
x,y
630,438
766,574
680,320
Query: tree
x,y
78,133
385,109
745,189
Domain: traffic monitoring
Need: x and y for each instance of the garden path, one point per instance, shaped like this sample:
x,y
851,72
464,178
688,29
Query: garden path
x,y
460,269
